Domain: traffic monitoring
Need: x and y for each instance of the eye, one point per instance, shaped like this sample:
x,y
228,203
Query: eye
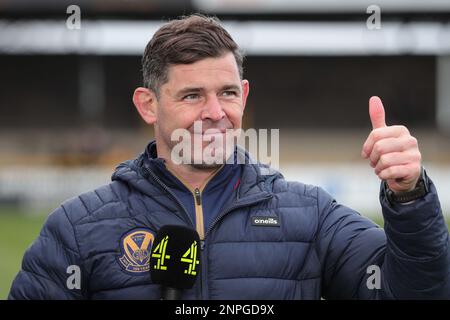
x,y
192,96
229,93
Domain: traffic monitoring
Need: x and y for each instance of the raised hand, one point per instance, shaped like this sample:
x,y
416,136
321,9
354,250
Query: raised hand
x,y
392,151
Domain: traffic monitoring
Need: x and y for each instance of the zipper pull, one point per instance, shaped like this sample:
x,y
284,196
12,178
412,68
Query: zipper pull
x,y
198,197
202,244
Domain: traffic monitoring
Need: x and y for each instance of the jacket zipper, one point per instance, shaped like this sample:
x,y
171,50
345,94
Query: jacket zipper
x,y
199,218
204,267
198,196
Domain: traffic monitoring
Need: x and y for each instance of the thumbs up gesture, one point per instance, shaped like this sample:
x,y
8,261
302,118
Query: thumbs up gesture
x,y
392,151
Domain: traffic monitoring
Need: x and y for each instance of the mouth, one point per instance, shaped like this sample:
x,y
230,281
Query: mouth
x,y
212,131
209,136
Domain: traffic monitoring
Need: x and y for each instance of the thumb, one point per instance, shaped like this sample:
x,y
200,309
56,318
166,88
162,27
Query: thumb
x,y
376,112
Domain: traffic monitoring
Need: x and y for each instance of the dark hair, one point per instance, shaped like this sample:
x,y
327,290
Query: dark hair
x,y
183,41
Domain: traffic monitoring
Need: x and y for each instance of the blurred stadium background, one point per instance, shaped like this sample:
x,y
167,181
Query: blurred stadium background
x,y
67,117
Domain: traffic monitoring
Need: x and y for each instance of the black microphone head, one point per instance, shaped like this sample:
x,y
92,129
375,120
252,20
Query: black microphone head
x,y
175,257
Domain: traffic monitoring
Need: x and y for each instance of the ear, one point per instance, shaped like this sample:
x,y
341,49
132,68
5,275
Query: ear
x,y
245,91
145,102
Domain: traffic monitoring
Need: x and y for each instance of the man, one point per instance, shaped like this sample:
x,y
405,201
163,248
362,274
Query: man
x,y
314,248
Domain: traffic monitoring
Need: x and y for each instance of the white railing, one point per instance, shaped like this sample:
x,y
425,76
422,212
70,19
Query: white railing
x,y
353,185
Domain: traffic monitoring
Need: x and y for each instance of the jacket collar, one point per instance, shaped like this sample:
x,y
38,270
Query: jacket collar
x,y
256,180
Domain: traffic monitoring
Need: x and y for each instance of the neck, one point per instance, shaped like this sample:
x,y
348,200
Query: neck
x,y
194,177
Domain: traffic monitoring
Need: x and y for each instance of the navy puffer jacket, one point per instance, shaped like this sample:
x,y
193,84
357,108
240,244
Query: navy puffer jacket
x,y
319,248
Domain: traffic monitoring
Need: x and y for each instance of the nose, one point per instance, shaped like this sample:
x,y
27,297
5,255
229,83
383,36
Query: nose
x,y
213,110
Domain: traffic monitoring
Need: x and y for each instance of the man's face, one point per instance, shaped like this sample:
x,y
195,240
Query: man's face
x,y
209,93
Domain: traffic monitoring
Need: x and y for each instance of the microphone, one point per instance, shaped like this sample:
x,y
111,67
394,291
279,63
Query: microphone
x,y
175,260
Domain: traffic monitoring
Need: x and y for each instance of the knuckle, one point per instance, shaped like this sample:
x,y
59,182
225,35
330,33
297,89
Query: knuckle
x,y
365,147
414,142
414,169
383,161
418,157
415,156
404,129
389,171
384,174
377,148
376,135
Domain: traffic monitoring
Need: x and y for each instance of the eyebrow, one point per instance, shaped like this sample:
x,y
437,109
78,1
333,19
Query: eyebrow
x,y
189,90
231,87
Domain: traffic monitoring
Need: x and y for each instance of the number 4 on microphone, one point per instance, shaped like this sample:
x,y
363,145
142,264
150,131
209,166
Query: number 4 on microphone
x,y
190,256
160,254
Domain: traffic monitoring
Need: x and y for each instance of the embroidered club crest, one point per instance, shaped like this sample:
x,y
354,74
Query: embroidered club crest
x,y
136,249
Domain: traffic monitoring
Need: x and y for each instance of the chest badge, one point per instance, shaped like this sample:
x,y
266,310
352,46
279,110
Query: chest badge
x,y
136,247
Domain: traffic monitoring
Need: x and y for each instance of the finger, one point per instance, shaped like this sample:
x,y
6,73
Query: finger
x,y
382,133
376,112
389,145
404,180
399,172
397,158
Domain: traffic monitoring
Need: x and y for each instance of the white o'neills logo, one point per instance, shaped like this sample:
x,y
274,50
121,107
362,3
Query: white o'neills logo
x,y
266,221
214,147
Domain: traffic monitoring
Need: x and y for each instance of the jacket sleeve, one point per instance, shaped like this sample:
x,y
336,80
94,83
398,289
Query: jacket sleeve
x,y
409,259
51,267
